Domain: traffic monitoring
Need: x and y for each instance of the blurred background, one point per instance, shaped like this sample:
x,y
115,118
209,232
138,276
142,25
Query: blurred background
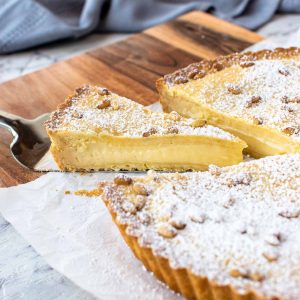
x,y
37,33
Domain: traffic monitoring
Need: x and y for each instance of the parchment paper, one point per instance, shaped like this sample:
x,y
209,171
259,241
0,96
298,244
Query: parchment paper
x,y
77,237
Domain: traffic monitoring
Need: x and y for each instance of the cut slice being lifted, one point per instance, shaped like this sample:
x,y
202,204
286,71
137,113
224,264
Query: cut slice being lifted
x,y
98,130
254,95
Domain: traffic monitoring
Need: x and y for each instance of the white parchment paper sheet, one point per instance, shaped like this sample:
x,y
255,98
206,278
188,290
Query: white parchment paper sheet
x,y
76,235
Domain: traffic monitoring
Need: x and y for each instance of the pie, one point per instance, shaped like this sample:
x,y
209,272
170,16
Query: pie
x,y
98,130
253,95
227,233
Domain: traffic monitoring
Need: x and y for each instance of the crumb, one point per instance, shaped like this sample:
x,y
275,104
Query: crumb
x,y
91,193
67,192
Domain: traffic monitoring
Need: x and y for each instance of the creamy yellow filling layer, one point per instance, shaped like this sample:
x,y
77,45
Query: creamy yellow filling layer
x,y
75,151
262,141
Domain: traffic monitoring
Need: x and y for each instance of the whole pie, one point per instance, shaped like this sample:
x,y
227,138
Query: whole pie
x,y
254,95
98,130
228,233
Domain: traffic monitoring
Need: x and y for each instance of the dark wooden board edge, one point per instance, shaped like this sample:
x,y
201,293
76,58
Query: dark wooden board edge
x,y
129,67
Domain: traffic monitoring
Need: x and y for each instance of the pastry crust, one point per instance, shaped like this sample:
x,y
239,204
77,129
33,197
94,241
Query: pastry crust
x,y
254,95
229,233
200,69
182,281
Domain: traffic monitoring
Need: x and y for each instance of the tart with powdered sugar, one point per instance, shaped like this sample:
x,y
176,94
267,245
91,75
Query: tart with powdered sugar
x,y
254,95
228,233
96,129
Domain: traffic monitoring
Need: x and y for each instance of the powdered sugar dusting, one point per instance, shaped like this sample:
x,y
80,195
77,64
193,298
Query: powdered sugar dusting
x,y
120,116
275,82
241,223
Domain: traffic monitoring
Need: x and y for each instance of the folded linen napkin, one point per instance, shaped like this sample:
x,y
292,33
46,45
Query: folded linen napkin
x,y
28,23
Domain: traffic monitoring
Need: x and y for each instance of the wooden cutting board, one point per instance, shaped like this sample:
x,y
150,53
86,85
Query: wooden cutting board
x,y
129,67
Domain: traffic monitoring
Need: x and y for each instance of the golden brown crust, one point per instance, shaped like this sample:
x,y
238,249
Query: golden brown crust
x,y
58,115
182,281
200,69
231,255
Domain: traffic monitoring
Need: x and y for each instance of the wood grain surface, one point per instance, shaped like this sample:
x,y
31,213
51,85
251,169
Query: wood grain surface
x,y
129,67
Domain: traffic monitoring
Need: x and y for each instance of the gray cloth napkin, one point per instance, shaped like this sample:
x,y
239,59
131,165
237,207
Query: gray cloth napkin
x,y
28,23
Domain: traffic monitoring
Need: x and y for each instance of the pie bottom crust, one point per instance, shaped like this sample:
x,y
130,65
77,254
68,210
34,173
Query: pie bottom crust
x,y
182,281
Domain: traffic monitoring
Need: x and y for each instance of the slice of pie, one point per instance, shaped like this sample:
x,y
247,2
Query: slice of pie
x,y
98,130
254,95
228,233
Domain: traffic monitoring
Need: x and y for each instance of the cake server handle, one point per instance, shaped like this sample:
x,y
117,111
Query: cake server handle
x,y
10,122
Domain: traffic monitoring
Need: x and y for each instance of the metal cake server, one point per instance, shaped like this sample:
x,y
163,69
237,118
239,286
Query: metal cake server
x,y
30,141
